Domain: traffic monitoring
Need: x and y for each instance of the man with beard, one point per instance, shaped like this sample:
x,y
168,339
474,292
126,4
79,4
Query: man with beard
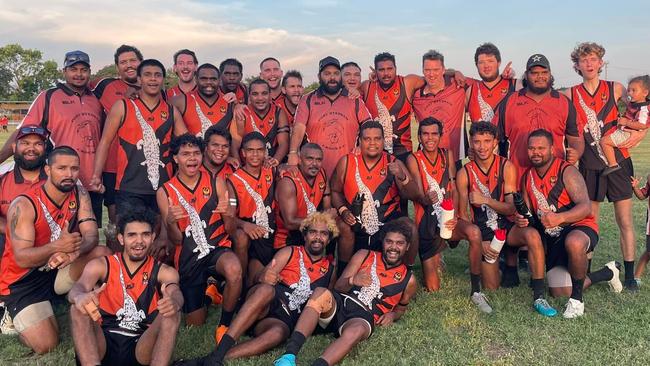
x,y
486,185
298,195
433,171
109,91
267,118
271,72
185,64
144,127
72,114
375,289
328,117
556,192
483,96
195,212
251,190
389,101
52,234
536,106
351,75
125,308
231,71
281,292
596,103
204,106
366,191
293,90
215,155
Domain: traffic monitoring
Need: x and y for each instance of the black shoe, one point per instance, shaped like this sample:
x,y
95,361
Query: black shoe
x,y
510,279
609,170
631,285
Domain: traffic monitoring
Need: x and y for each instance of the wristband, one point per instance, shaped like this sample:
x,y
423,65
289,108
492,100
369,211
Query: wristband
x,y
293,152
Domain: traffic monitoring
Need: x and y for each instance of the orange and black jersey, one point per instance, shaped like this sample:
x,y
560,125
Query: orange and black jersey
x,y
224,173
603,103
282,103
198,112
438,170
300,276
392,283
143,159
240,93
12,184
314,193
129,302
48,220
493,181
279,100
247,188
267,125
551,187
394,100
484,100
176,90
379,181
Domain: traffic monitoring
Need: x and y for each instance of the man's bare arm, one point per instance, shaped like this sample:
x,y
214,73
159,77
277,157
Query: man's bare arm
x,y
577,189
87,222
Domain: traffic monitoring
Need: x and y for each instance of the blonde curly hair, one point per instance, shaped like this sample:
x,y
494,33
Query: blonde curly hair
x,y
583,49
320,217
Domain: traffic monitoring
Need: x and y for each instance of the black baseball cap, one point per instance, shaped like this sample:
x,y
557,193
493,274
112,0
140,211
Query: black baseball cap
x,y
538,60
32,130
327,61
74,57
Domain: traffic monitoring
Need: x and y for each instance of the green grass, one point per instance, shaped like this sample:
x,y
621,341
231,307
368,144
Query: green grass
x,y
444,328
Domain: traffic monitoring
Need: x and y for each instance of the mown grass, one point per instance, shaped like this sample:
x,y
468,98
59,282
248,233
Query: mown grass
x,y
444,328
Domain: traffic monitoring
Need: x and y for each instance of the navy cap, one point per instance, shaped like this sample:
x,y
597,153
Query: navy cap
x,y
538,60
74,57
327,61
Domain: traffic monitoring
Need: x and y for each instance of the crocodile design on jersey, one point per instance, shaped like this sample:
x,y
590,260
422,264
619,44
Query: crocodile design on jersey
x,y
369,216
55,229
129,317
150,145
196,227
487,113
386,121
543,205
492,216
434,187
310,205
205,121
593,126
301,289
261,214
368,293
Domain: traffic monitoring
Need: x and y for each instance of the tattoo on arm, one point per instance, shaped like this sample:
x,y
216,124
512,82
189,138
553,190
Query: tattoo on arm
x,y
14,223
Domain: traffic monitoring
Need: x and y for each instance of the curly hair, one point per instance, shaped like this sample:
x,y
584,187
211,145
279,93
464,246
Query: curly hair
x,y
584,49
320,217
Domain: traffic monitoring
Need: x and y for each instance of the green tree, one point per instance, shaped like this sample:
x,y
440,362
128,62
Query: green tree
x,y
24,73
311,87
108,71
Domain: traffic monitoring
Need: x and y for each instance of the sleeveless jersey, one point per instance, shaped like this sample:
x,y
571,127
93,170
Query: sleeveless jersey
x,y
48,223
129,302
491,182
199,115
378,180
602,103
551,189
447,106
176,90
267,125
261,187
224,173
282,103
395,107
388,285
301,276
143,160
438,171
308,198
483,100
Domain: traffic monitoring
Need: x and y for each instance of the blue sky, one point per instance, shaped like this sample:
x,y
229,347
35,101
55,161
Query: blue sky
x,y
300,32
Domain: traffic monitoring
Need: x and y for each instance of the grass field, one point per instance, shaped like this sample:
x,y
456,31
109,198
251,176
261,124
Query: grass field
x,y
444,328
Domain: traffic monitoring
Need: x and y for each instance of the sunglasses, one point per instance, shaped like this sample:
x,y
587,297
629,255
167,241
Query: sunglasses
x,y
34,130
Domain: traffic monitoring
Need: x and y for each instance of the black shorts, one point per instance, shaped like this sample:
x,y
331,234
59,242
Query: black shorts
x,y
108,179
556,254
262,250
35,287
616,186
127,200
279,309
194,276
347,308
120,349
487,234
96,200
647,243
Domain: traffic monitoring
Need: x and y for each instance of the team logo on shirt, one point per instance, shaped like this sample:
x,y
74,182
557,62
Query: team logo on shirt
x,y
323,270
395,92
145,278
222,109
553,179
206,191
72,205
397,276
603,97
382,172
321,186
268,178
163,115
504,91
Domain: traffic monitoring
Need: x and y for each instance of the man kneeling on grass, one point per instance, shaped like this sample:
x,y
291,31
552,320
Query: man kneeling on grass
x,y
374,289
118,299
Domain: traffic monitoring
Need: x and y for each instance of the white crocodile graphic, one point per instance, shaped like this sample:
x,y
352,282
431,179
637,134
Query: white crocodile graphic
x,y
205,121
310,205
386,121
543,206
368,293
492,216
150,145
196,227
434,187
593,126
55,229
487,113
262,211
128,317
301,289
369,216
